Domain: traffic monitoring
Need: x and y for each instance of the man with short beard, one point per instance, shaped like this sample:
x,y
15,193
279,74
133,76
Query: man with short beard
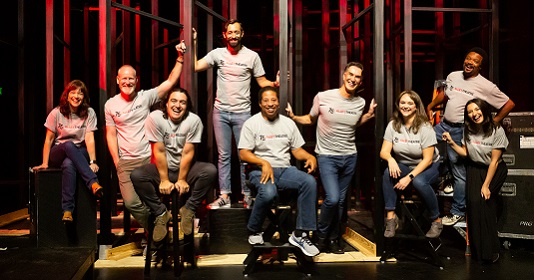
x,y
236,65
462,86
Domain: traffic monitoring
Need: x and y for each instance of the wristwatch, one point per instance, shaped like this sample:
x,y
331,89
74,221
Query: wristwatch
x,y
411,176
92,161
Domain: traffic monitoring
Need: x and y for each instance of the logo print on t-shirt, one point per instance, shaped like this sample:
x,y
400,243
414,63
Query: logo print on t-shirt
x,y
331,110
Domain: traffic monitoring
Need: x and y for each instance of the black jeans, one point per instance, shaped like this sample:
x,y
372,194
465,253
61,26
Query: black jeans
x,y
201,178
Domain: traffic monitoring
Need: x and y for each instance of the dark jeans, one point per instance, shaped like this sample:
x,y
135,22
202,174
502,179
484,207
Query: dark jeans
x,y
201,178
285,178
73,160
336,175
422,183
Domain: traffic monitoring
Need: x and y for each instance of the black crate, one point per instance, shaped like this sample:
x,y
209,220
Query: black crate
x,y
47,229
516,218
519,128
228,231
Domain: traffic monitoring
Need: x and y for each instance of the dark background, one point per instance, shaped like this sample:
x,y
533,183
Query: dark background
x,y
22,141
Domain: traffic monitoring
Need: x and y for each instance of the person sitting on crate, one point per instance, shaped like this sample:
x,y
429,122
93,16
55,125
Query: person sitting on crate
x,y
483,143
267,139
173,132
70,144
415,161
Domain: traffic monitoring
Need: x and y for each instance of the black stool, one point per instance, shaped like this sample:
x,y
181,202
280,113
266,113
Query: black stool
x,y
411,207
183,250
280,220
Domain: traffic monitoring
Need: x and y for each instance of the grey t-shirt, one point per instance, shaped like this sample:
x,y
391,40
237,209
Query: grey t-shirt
x,y
460,90
72,128
408,147
174,136
479,148
336,123
129,118
271,141
234,73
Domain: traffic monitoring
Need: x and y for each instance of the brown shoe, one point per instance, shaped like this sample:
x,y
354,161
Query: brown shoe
x,y
160,226
391,225
67,217
98,191
187,219
435,230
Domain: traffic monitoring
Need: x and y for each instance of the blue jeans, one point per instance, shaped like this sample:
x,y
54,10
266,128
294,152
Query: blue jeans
x,y
224,124
289,178
73,160
457,165
422,183
201,178
336,175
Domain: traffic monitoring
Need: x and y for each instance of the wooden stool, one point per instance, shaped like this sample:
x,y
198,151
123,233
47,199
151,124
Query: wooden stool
x,y
411,207
279,221
183,250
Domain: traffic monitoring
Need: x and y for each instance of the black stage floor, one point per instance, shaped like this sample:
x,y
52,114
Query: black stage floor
x,y
516,262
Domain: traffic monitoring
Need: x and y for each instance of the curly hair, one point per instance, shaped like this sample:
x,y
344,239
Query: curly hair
x,y
64,106
163,103
420,114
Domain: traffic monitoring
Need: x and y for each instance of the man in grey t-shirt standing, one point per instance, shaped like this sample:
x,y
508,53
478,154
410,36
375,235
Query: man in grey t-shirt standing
x,y
337,113
236,65
462,86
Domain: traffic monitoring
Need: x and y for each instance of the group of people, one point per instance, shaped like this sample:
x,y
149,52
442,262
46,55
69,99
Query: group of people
x,y
476,144
154,151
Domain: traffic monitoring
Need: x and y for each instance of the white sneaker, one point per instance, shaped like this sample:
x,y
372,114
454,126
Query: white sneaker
x,y
452,220
220,203
256,238
448,189
304,244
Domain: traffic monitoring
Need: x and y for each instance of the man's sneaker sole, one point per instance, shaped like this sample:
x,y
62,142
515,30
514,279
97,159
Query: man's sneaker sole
x,y
218,207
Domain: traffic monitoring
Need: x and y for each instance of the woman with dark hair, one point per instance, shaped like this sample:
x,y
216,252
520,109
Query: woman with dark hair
x,y
409,135
70,144
483,143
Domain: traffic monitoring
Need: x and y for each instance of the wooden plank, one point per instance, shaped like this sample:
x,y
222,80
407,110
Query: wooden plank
x,y
359,242
15,216
123,251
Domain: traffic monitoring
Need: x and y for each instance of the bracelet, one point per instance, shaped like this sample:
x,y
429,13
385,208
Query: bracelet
x,y
180,60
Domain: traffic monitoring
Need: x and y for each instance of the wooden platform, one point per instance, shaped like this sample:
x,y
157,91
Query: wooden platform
x,y
47,263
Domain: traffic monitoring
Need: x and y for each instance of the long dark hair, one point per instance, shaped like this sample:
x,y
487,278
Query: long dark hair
x,y
163,103
420,114
64,106
487,126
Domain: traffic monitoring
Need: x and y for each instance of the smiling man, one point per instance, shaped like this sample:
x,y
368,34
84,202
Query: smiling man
x,y
173,132
267,143
462,86
236,66
337,113
125,119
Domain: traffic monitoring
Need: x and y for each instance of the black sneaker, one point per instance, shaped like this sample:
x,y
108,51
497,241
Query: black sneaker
x,y
335,247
